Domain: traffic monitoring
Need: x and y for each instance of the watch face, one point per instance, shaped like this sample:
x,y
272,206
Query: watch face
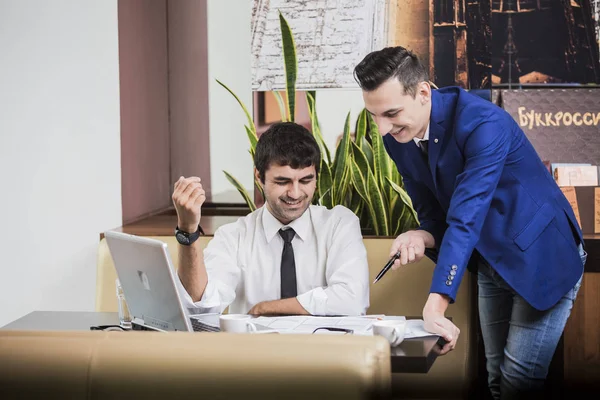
x,y
181,238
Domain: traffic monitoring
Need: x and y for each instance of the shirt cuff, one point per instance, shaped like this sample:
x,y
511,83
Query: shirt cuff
x,y
209,303
314,301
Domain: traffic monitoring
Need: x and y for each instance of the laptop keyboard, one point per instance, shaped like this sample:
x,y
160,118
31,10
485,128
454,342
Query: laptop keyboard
x,y
199,326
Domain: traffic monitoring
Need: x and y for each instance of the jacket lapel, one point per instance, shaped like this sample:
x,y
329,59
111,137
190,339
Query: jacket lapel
x,y
436,132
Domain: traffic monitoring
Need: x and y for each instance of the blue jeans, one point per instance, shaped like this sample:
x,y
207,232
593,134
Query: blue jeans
x,y
519,340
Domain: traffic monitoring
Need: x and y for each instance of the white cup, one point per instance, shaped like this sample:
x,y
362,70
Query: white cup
x,y
236,323
392,330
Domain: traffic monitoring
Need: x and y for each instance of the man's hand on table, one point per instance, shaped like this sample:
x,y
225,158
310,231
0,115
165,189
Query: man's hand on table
x,y
289,306
436,322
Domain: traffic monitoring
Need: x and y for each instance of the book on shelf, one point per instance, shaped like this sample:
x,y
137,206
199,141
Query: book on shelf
x,y
580,175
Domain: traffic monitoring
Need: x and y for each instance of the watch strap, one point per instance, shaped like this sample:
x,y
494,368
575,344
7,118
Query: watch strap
x,y
186,238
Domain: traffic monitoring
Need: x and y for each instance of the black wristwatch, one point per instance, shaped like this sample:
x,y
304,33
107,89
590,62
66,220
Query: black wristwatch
x,y
185,238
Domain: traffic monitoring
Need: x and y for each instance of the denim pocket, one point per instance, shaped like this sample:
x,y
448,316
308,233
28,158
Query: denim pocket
x,y
575,289
583,254
484,268
583,258
573,292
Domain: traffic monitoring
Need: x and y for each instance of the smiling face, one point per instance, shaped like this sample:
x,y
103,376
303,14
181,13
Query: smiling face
x,y
288,191
398,113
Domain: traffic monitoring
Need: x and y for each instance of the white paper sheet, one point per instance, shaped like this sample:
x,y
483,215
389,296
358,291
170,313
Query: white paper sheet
x,y
360,325
415,329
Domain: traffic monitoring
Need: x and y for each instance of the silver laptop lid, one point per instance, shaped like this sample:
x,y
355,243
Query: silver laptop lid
x,y
147,276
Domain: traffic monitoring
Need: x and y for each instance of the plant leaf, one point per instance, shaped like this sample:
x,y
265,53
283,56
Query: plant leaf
x,y
361,175
242,190
361,160
405,198
359,183
344,189
398,212
379,206
281,105
396,178
290,65
406,223
248,117
341,158
253,140
381,168
366,148
361,126
325,200
356,204
324,181
316,130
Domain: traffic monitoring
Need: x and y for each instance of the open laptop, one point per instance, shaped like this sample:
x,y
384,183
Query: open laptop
x,y
147,276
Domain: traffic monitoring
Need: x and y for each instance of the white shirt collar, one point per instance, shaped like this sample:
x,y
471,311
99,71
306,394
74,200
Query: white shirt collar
x,y
425,137
272,225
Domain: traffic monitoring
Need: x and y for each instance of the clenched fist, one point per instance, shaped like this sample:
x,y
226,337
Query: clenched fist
x,y
188,197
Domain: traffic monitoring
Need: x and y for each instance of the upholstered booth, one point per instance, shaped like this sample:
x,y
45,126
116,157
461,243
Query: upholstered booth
x,y
152,365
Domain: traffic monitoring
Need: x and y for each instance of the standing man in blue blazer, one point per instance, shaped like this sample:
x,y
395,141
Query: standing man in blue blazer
x,y
486,202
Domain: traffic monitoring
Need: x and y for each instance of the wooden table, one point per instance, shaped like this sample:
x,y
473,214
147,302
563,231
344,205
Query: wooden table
x,y
411,356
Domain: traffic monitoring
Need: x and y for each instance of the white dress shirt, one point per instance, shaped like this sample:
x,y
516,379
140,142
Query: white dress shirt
x,y
425,137
243,262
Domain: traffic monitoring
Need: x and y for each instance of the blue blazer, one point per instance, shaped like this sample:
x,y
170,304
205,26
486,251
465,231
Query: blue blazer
x,y
485,188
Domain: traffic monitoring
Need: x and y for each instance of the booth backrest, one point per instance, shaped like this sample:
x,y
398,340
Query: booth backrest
x,y
148,365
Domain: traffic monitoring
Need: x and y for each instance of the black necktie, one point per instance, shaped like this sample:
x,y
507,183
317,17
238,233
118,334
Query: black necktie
x,y
424,144
288,265
423,147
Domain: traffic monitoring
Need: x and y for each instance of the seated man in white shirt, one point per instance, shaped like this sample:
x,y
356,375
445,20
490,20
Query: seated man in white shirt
x,y
250,267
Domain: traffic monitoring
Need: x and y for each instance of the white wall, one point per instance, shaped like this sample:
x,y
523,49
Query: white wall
x,y
59,150
229,61
333,106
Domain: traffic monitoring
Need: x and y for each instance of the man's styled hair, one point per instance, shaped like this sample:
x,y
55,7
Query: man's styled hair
x,y
379,66
286,143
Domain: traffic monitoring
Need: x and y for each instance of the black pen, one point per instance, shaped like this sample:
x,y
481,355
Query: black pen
x,y
387,266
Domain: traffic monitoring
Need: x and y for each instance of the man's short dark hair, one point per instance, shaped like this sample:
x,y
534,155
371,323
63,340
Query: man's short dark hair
x,y
286,143
379,66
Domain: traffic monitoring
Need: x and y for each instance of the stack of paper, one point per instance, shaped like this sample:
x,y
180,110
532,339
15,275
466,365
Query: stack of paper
x,y
360,325
308,324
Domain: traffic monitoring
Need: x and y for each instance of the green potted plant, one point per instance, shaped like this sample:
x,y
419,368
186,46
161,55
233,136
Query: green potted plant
x,y
360,176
